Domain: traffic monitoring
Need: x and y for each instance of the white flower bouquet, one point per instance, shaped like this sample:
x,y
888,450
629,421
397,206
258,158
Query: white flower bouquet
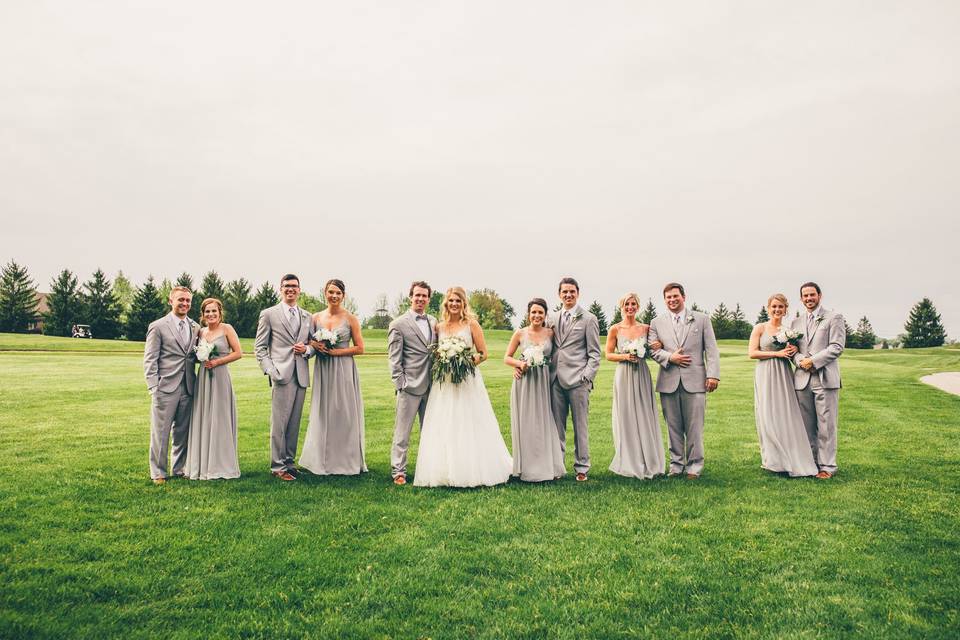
x,y
534,356
787,336
636,347
452,360
205,351
326,335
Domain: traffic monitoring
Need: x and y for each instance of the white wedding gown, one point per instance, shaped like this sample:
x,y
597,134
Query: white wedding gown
x,y
460,442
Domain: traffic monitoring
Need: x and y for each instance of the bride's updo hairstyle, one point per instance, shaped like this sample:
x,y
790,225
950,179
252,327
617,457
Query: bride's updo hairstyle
x,y
540,302
205,304
779,297
466,315
623,300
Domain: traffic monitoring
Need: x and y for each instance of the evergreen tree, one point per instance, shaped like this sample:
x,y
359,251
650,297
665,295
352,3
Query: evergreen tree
x,y
597,310
185,280
166,287
265,297
147,306
100,307
649,312
617,316
211,287
763,316
741,328
697,308
924,328
64,305
850,339
864,337
722,322
18,299
240,309
123,292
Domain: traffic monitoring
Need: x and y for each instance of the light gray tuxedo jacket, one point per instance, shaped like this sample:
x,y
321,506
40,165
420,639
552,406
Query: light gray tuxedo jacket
x,y
576,353
273,346
166,362
409,354
824,346
698,340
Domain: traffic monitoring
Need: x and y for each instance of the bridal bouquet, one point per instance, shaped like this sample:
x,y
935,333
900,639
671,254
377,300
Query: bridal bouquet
x,y
205,350
787,336
636,347
326,335
452,360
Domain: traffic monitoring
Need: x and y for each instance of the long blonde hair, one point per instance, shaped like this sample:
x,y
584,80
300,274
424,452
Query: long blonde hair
x,y
623,300
466,315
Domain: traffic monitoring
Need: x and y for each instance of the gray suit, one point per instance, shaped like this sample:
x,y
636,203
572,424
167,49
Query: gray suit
x,y
819,390
169,367
289,376
410,359
683,396
574,365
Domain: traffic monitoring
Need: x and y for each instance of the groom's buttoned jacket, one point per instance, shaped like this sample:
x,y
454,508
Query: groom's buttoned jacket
x,y
409,354
696,337
576,353
824,346
273,345
169,361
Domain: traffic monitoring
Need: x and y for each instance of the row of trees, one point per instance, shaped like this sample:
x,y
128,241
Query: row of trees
x,y
119,309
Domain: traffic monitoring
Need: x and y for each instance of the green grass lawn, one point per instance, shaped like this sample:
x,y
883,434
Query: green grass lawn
x,y
90,548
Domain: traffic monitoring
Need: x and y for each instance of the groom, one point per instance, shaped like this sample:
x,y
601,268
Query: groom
x,y
689,369
576,359
408,347
817,376
168,365
283,332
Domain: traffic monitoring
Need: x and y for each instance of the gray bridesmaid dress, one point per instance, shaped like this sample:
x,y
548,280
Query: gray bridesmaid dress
x,y
637,443
784,447
212,442
537,455
334,444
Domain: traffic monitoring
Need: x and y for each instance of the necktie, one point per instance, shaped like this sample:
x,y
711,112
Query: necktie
x,y
564,323
182,337
294,323
810,324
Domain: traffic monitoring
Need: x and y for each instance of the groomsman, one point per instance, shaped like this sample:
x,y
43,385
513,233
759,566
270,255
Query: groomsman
x,y
408,347
689,369
817,376
576,359
169,367
283,332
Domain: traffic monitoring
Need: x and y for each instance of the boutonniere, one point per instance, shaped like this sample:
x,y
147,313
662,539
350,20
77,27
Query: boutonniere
x,y
818,319
689,318
578,315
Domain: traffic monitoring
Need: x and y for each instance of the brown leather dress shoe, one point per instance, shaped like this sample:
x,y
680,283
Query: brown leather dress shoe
x,y
159,481
581,477
824,475
693,476
283,475
400,480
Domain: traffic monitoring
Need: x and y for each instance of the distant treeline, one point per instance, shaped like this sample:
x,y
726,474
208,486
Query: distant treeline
x,y
118,309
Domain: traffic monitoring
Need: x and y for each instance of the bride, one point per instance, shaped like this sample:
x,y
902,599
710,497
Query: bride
x,y
460,442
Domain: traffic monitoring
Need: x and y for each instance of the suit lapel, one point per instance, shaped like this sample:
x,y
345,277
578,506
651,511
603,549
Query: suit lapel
x,y
282,314
816,325
172,326
416,329
685,329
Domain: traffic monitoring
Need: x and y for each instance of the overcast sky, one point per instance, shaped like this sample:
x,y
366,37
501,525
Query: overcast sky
x,y
740,148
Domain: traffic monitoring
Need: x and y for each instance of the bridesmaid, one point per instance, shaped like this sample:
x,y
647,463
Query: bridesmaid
x,y
784,447
537,455
335,438
637,443
212,442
